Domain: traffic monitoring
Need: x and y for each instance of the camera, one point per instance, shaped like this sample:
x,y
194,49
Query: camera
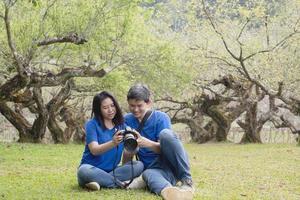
x,y
130,143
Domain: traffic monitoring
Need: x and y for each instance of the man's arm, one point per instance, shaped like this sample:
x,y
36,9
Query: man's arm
x,y
145,142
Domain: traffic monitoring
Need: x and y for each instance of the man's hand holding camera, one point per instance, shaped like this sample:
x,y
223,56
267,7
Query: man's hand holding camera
x,y
145,142
142,141
133,140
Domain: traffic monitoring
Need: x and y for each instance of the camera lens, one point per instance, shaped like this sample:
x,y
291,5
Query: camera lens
x,y
130,143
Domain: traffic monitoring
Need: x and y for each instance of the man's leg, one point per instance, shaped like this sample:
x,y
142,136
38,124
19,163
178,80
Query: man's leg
x,y
87,174
158,179
161,181
173,151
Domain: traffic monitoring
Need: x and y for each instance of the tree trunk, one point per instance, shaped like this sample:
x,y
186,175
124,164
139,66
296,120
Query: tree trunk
x,y
221,120
53,106
251,127
56,132
74,119
198,133
251,136
18,121
40,123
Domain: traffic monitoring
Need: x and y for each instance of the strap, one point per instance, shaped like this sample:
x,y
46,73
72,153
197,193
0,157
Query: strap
x,y
141,125
147,115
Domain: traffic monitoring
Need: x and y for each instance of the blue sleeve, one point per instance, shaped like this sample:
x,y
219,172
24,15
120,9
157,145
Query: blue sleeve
x,y
128,121
121,126
163,123
91,132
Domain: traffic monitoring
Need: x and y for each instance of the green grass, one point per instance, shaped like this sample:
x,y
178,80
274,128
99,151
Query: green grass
x,y
220,171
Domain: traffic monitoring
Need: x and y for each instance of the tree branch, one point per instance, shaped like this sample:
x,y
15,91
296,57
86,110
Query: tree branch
x,y
242,30
285,124
222,98
274,47
51,79
223,60
20,122
167,99
11,44
71,38
267,31
296,24
245,69
47,9
215,29
59,98
12,86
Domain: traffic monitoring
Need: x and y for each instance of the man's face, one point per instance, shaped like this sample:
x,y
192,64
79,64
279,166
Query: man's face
x,y
138,107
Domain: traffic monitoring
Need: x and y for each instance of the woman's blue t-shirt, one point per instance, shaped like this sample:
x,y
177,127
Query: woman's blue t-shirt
x,y
95,133
156,122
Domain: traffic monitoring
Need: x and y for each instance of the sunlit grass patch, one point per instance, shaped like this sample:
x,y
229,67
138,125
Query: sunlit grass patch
x,y
220,171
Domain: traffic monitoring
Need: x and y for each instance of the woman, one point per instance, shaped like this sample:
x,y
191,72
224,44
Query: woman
x,y
104,147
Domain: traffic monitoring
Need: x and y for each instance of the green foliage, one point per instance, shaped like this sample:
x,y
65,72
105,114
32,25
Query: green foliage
x,y
98,21
165,44
270,22
115,30
220,171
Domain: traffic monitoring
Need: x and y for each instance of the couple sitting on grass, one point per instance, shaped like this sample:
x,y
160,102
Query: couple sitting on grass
x,y
162,159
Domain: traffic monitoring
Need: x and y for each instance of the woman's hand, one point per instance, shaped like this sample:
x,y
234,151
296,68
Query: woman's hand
x,y
117,138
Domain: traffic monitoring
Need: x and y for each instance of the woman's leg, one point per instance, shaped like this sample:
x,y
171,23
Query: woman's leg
x,y
128,171
87,173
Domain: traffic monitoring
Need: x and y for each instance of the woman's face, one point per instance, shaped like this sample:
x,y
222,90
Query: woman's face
x,y
108,109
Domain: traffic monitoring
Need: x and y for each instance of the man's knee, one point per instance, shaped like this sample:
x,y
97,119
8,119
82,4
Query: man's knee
x,y
139,166
147,173
167,135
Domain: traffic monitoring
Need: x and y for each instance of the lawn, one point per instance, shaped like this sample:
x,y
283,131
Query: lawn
x,y
220,171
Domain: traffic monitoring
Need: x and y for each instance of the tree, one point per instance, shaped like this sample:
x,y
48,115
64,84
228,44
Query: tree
x,y
41,48
252,42
240,61
54,53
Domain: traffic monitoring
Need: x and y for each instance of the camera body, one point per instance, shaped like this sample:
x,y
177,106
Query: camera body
x,y
129,139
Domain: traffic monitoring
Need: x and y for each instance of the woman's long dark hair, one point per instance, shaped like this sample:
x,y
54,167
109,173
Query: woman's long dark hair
x,y
96,111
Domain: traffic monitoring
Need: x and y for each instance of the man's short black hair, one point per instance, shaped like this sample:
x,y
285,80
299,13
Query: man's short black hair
x,y
139,92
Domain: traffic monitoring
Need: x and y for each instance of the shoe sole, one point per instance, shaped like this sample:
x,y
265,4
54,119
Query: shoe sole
x,y
137,183
93,186
174,193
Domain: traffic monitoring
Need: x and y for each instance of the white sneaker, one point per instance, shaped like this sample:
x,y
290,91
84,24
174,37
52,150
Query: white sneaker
x,y
187,185
176,193
93,186
137,183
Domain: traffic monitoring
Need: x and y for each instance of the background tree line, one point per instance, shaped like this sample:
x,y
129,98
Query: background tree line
x,y
209,63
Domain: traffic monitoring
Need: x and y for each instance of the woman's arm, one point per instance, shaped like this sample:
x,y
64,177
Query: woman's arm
x,y
96,148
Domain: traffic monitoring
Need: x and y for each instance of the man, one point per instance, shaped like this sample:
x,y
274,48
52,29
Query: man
x,y
161,152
